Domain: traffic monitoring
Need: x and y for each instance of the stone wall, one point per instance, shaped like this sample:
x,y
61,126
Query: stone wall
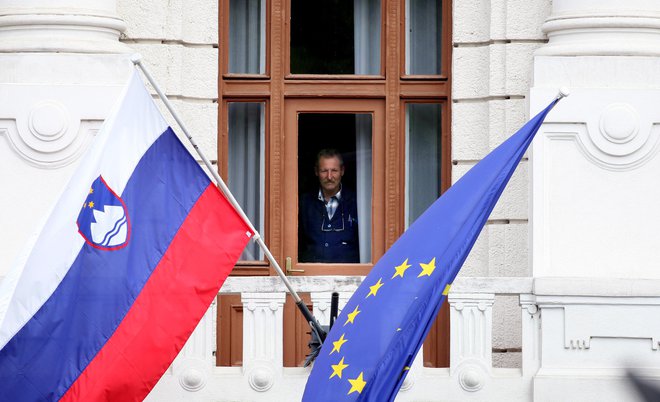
x,y
178,41
494,42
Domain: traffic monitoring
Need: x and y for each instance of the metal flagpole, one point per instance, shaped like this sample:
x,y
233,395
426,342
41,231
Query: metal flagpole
x,y
316,327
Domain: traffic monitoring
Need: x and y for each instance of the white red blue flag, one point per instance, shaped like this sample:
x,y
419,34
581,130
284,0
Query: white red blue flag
x,y
127,263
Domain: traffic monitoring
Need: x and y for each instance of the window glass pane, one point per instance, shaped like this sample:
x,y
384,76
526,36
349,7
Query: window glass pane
x,y
334,180
335,37
423,35
247,45
422,158
246,165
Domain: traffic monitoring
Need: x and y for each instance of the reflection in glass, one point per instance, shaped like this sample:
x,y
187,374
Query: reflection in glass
x,y
247,44
335,37
327,231
423,37
246,165
422,158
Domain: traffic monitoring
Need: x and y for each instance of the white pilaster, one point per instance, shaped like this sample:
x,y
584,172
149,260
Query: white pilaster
x,y
595,197
531,335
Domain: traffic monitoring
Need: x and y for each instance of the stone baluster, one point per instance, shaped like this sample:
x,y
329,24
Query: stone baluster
x,y
263,338
321,302
194,364
471,321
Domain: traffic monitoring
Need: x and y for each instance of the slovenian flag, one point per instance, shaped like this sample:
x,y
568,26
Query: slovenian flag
x,y
124,268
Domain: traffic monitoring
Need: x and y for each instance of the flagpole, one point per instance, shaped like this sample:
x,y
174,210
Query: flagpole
x,y
137,60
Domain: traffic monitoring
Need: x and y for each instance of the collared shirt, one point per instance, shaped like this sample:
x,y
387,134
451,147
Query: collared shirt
x,y
332,204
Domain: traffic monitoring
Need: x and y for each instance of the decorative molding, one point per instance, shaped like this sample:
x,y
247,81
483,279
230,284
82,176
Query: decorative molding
x,y
472,376
193,379
602,28
261,378
49,137
616,145
584,322
70,30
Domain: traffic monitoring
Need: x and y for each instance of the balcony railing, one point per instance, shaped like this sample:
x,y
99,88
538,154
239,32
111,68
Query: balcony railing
x,y
471,375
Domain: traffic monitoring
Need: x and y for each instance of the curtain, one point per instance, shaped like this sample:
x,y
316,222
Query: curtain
x,y
423,33
247,36
422,158
364,174
246,165
367,36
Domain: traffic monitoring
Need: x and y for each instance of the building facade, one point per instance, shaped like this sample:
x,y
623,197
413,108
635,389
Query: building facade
x,y
555,298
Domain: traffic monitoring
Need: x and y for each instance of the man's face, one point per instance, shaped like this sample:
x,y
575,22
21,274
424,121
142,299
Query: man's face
x,y
330,172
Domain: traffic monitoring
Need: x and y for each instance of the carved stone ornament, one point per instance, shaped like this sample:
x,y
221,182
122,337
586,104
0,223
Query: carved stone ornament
x,y
48,135
192,379
261,378
471,376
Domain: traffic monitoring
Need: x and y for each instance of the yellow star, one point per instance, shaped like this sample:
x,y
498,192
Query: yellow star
x,y
91,191
401,269
357,384
446,291
338,344
351,316
374,288
91,204
427,269
338,368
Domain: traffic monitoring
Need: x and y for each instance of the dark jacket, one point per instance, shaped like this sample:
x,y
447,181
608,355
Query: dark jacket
x,y
338,240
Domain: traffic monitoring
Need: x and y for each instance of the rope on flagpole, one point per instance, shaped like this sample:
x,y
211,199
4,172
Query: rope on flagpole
x,y
137,60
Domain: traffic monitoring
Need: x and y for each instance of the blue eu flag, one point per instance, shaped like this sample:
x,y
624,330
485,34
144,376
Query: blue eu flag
x,y
366,355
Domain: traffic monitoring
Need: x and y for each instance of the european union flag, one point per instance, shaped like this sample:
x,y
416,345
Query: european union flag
x,y
366,355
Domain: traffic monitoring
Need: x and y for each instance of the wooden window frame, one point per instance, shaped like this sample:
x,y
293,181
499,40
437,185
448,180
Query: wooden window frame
x,y
294,107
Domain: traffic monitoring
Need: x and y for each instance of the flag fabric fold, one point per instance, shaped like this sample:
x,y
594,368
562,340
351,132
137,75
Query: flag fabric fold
x,y
129,260
373,342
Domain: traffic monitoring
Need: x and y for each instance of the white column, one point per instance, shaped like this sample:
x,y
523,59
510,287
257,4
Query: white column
x,y
62,70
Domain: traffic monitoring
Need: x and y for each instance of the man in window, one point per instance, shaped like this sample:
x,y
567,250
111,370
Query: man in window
x,y
328,217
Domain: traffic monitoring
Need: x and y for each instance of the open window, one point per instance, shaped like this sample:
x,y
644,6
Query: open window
x,y
342,233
